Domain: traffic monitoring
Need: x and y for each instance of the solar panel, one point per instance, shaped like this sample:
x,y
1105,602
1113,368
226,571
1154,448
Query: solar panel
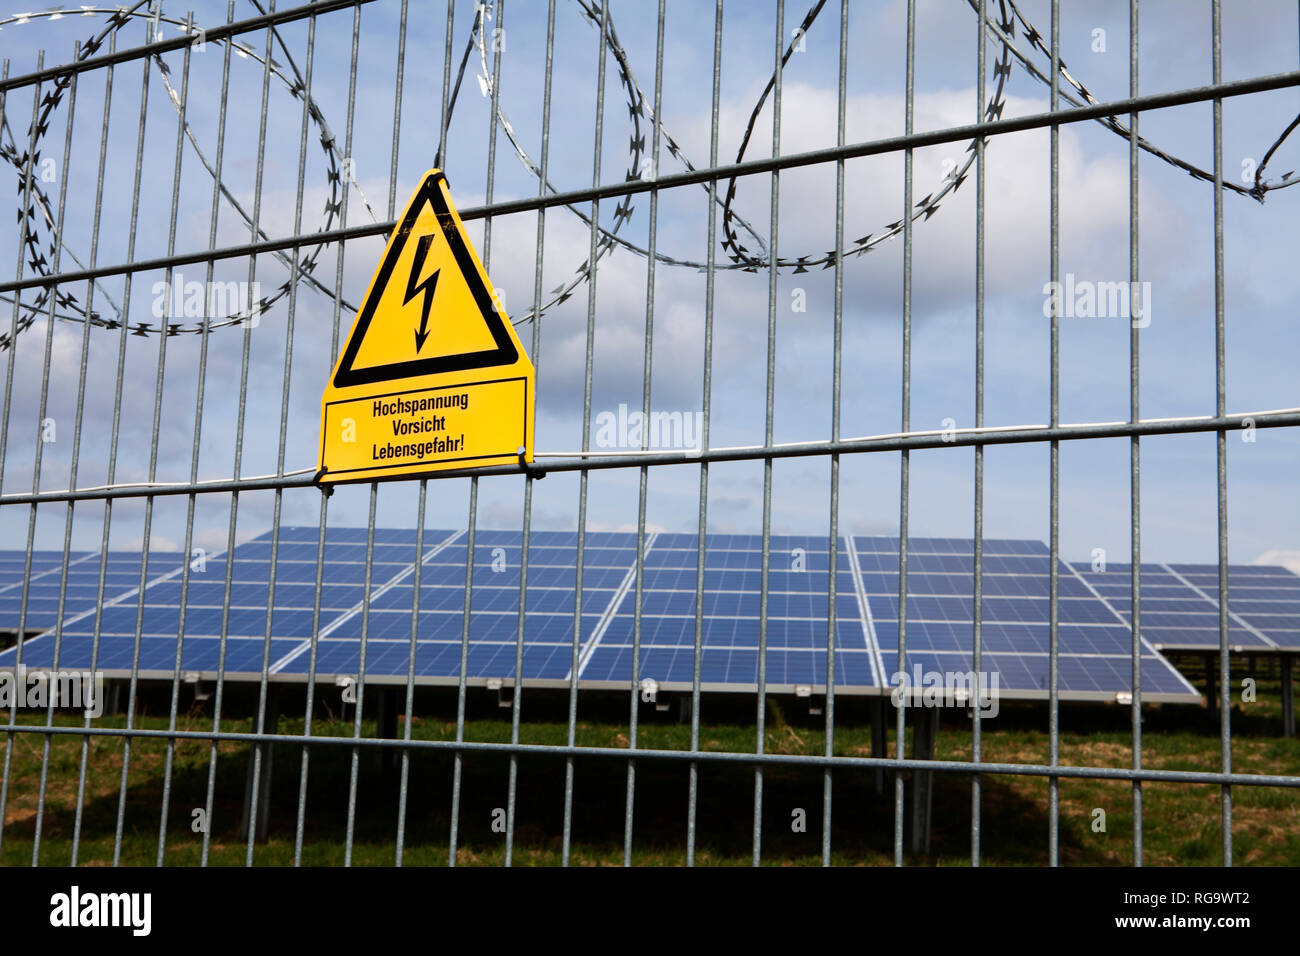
x,y
1093,642
1179,611
732,627
121,578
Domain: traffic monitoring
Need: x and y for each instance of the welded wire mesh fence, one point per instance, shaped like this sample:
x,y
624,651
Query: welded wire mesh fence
x,y
238,147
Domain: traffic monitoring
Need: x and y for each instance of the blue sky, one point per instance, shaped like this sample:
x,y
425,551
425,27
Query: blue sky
x,y
1177,258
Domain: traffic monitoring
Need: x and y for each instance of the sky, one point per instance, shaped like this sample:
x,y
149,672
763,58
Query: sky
x,y
137,380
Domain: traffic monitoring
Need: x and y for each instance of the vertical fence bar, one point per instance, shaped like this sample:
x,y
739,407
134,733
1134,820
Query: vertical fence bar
x,y
1135,443
584,475
1220,405
404,780
321,538
977,605
13,339
284,407
398,80
71,506
1054,546
4,442
135,652
408,710
309,710
257,752
832,614
113,444
710,277
191,499
370,522
457,770
359,707
84,756
159,381
440,158
764,586
646,384
904,474
218,698
537,310
4,433
516,699
292,312
472,517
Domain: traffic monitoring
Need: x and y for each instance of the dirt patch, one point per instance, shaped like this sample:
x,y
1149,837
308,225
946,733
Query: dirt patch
x,y
786,741
1098,753
19,815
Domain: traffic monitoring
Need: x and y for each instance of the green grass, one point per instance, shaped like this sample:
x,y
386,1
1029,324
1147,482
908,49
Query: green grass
x,y
1181,823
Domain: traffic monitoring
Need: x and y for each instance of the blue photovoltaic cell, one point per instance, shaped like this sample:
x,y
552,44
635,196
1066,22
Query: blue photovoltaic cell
x,y
1006,638
442,626
1097,676
1186,638
1287,637
1288,594
731,626
122,577
157,653
1262,608
741,604
736,666
1094,640
1262,569
959,608
995,584
1207,579
733,632
437,659
965,546
1180,608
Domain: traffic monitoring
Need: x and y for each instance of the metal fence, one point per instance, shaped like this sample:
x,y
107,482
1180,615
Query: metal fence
x,y
51,285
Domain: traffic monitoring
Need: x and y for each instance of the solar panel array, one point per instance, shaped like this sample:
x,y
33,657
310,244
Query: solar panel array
x,y
278,628
121,579
1094,642
797,613
1180,604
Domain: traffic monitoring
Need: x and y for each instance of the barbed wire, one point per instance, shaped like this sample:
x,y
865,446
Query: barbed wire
x,y
1005,29
39,210
736,230
732,222
1002,31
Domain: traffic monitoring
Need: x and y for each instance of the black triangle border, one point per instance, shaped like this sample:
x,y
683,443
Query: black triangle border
x,y
505,352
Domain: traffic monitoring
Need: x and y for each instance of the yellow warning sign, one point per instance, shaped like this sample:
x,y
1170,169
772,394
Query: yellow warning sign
x,y
432,376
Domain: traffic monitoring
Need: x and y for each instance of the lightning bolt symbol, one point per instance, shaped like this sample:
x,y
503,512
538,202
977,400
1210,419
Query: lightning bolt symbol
x,y
414,288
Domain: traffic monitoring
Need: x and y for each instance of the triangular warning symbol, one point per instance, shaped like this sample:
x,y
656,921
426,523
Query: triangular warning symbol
x,y
432,377
430,308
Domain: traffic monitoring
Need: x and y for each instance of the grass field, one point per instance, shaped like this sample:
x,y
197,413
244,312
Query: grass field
x,y
1181,822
